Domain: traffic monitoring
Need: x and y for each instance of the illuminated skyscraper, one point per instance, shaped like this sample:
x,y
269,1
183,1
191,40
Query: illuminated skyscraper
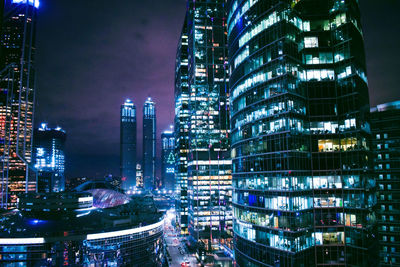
x,y
168,161
128,145
304,192
17,82
385,122
209,164
149,144
182,129
49,158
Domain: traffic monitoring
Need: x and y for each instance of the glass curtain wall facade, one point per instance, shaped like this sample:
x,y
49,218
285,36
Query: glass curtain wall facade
x,y
182,129
17,58
385,122
49,158
149,144
209,164
128,145
304,191
168,161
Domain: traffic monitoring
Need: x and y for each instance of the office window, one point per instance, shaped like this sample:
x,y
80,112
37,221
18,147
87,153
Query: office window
x,y
378,136
320,75
310,42
385,135
345,72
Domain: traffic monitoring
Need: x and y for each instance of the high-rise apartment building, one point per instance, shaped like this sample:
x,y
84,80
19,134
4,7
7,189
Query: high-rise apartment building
x,y
17,83
49,158
149,144
385,123
182,129
128,145
209,165
304,191
168,161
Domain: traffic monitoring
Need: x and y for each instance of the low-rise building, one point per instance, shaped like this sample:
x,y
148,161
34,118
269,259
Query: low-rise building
x,y
76,229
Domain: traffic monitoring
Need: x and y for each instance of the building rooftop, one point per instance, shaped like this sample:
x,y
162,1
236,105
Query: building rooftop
x,y
44,127
34,3
139,211
128,102
387,106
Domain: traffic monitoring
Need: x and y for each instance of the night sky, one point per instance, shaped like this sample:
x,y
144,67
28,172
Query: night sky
x,y
93,54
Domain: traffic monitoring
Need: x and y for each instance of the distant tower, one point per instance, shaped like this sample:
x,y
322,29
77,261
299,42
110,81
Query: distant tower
x,y
17,80
149,144
168,160
128,145
139,176
49,158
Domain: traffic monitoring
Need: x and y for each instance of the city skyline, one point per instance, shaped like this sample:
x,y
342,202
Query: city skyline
x,y
60,95
280,149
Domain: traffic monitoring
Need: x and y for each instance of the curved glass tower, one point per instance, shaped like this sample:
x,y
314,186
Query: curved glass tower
x,y
128,145
303,189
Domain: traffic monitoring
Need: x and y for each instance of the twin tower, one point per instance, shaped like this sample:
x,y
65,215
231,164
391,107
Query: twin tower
x,y
128,144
